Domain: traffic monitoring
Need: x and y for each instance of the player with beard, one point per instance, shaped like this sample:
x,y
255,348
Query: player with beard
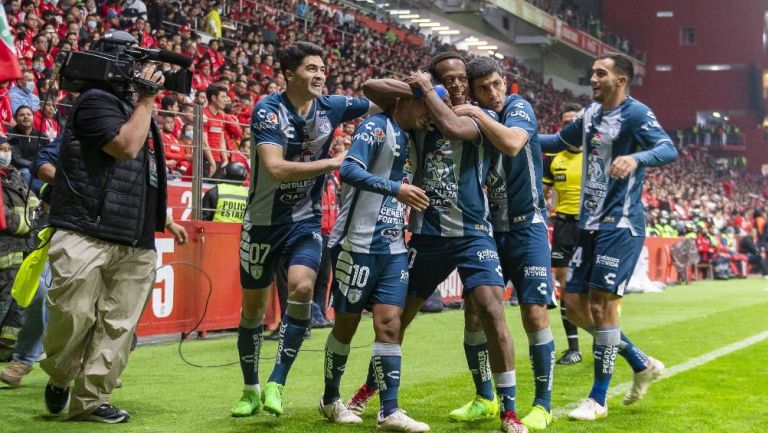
x,y
620,137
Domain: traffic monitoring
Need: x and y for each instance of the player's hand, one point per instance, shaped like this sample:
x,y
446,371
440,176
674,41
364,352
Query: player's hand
x,y
623,166
413,196
337,159
421,81
467,110
179,233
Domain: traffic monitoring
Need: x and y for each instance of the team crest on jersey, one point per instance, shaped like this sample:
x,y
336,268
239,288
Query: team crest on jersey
x,y
379,135
305,156
354,295
596,168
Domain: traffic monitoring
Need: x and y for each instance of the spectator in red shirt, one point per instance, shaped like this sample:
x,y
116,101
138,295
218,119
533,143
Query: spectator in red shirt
x,y
170,104
46,120
202,78
213,124
267,61
178,161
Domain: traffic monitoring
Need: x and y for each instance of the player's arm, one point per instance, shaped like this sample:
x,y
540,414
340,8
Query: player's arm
x,y
507,140
354,173
569,138
659,149
450,124
385,91
280,170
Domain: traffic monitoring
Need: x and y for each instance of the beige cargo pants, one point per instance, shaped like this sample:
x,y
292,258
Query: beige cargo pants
x,y
98,293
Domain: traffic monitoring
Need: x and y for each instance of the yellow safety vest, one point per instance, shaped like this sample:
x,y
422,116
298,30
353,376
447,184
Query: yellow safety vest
x,y
230,206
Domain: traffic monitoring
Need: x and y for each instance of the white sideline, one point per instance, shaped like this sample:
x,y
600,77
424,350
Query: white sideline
x,y
677,369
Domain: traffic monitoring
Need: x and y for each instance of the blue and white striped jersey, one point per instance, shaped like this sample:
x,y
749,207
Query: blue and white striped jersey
x,y
275,123
515,188
452,173
630,128
371,219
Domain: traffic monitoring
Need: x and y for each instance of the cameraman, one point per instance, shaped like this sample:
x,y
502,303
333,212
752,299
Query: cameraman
x,y
109,197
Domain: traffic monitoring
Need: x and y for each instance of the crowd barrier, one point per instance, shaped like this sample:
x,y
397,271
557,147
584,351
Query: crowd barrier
x,y
184,296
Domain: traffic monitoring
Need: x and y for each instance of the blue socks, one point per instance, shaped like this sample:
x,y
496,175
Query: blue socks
x,y
336,354
541,347
386,370
292,330
606,347
476,352
249,338
370,380
634,356
505,387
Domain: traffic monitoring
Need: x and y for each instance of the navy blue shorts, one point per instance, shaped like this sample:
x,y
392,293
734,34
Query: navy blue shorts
x,y
362,280
526,261
432,258
261,246
603,260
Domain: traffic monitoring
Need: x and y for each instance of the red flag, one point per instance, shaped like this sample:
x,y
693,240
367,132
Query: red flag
x,y
8,59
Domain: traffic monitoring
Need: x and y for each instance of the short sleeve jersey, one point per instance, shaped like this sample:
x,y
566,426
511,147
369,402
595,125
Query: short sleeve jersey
x,y
276,123
563,171
369,222
515,187
452,172
605,135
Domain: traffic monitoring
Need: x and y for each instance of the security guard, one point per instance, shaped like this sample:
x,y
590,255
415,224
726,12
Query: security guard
x,y
226,201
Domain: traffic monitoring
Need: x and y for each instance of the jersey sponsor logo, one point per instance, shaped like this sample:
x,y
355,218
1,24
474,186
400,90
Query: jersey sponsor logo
x,y
519,111
597,182
348,101
652,123
379,135
488,255
535,272
392,212
519,219
267,120
497,190
390,234
603,260
591,204
559,178
291,198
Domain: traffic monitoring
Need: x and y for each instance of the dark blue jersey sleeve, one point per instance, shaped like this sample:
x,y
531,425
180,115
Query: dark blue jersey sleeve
x,y
368,139
265,125
657,146
347,107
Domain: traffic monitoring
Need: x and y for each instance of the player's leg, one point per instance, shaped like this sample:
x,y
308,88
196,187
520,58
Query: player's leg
x,y
565,237
259,255
526,258
427,267
485,405
573,354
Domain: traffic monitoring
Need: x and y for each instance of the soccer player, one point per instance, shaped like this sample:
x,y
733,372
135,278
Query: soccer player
x,y
518,214
620,137
292,132
371,263
562,172
455,232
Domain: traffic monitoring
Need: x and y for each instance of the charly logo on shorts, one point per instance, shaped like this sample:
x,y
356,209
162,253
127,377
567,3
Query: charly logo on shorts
x,y
488,255
354,295
390,234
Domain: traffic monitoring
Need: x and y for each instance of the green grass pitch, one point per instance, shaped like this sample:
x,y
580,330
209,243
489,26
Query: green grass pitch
x,y
727,394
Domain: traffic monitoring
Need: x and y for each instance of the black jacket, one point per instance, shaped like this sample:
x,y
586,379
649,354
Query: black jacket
x,y
100,196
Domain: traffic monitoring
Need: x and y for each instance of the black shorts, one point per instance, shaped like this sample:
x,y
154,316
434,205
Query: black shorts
x,y
564,239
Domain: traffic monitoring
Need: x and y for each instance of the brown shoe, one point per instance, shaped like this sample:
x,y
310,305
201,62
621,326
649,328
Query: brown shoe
x,y
13,373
